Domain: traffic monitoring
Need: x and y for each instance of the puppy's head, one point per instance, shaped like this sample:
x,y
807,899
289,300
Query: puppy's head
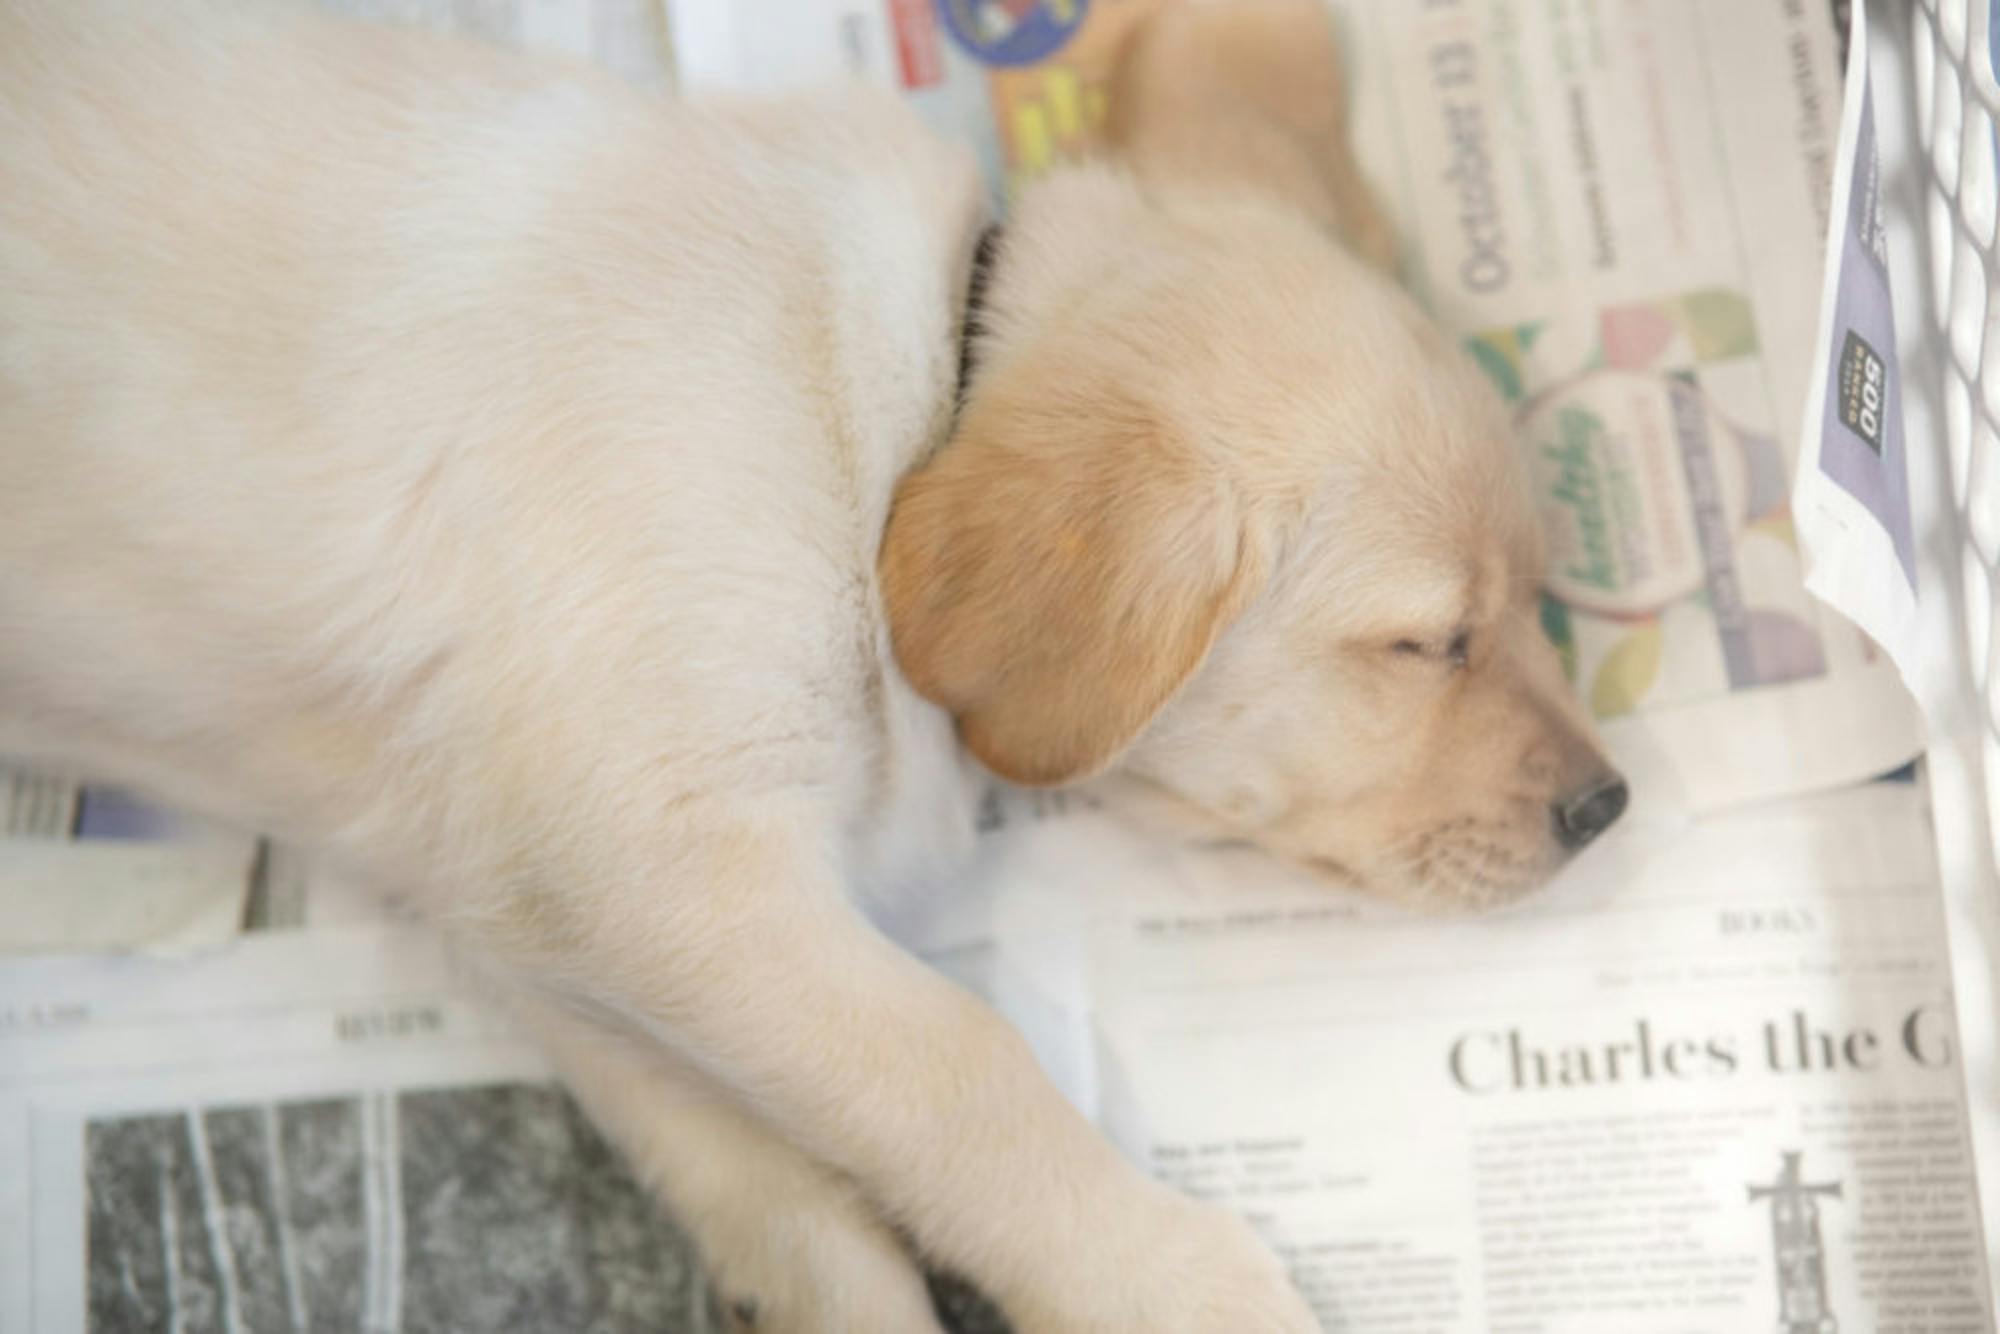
x,y
1225,511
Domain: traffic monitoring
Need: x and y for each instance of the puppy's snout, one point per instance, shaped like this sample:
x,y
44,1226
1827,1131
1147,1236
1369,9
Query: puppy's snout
x,y
1587,812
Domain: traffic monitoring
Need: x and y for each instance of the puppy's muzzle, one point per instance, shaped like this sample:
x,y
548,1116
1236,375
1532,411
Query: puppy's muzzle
x,y
1582,815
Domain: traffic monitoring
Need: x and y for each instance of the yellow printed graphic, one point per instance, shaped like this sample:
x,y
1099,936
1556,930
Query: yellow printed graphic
x,y
1051,112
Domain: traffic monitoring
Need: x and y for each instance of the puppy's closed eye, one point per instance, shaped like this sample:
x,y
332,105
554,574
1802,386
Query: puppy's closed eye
x,y
1453,650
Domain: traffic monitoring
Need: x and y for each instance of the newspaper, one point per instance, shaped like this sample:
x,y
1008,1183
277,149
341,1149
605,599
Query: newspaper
x,y
1720,1095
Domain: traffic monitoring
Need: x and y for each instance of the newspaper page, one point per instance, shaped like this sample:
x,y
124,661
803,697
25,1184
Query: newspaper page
x,y
332,1129
1621,209
1721,1095
319,1130
1714,1089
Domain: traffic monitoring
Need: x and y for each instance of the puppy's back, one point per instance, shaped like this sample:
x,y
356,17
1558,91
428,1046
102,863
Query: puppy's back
x,y
349,374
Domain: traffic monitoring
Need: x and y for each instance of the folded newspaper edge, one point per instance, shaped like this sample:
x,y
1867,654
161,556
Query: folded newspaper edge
x,y
1851,496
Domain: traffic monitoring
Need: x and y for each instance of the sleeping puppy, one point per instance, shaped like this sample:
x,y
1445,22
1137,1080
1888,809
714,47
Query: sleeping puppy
x,y
558,507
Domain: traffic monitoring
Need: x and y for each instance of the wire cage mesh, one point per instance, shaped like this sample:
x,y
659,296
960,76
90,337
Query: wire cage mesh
x,y
1956,106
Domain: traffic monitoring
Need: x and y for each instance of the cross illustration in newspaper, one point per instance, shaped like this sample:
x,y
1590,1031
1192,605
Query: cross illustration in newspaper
x,y
1796,1248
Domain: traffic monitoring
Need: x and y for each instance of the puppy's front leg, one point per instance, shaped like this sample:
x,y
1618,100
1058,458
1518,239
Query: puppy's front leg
x,y
747,961
791,1248
740,953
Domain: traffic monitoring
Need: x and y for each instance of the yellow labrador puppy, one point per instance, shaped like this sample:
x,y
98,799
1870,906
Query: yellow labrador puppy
x,y
558,506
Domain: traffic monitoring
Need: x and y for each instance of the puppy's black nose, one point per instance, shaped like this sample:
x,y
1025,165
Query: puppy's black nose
x,y
1584,814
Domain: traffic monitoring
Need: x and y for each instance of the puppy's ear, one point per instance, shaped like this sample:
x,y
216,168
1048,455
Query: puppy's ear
x,y
1249,94
1057,572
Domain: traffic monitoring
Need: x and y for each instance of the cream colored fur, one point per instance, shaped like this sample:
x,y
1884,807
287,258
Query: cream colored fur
x,y
478,471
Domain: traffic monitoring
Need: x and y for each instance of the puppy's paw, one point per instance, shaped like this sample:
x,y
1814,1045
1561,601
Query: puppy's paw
x,y
813,1267
1231,1281
1176,1268
1218,1275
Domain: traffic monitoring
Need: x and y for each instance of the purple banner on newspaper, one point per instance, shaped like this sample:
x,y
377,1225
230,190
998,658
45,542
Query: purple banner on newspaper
x,y
1863,446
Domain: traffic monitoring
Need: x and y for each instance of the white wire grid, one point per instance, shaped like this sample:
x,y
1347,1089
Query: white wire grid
x,y
1957,106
